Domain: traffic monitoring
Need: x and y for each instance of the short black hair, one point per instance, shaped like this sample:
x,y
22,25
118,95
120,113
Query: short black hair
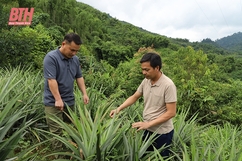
x,y
73,37
153,58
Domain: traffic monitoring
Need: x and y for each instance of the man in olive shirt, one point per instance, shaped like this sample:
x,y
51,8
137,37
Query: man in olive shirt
x,y
160,97
61,69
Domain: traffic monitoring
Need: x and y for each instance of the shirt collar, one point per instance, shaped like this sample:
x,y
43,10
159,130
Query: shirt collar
x,y
61,55
158,83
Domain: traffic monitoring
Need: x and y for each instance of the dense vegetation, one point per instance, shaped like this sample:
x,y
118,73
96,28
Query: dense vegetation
x,y
232,42
208,78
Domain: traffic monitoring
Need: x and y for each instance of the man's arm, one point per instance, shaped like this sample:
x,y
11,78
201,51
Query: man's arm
x,y
81,85
132,99
171,112
55,92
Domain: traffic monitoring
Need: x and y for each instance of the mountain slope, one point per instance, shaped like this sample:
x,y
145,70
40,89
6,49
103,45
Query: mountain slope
x,y
232,42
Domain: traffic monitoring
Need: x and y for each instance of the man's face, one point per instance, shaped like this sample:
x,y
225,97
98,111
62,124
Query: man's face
x,y
70,49
148,71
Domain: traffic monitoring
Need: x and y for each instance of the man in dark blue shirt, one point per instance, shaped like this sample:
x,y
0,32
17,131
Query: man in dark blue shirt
x,y
61,69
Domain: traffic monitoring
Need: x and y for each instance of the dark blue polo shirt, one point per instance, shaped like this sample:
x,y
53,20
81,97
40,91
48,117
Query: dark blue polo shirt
x,y
64,71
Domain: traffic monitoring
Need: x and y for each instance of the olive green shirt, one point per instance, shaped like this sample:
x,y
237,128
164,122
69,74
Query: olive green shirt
x,y
155,98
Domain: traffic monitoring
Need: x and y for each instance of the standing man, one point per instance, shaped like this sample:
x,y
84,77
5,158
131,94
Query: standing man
x,y
160,97
61,69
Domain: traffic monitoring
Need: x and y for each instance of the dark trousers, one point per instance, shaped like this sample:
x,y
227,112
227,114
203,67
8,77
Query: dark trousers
x,y
161,140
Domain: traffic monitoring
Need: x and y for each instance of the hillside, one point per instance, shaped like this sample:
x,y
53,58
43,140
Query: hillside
x,y
104,36
232,42
100,31
123,32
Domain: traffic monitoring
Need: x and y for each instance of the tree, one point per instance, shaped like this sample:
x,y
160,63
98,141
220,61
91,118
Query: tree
x,y
193,76
24,44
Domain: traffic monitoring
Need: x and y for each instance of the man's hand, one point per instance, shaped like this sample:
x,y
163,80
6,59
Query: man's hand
x,y
85,99
59,104
141,125
113,112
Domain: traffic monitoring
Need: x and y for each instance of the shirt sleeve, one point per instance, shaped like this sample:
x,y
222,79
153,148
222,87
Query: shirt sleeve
x,y
49,67
79,72
141,86
171,93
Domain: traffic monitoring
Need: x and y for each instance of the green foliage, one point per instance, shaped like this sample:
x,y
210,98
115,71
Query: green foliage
x,y
98,78
203,86
206,142
25,44
232,42
228,102
56,33
210,48
191,73
19,96
4,11
230,66
130,75
40,18
97,135
194,75
112,53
